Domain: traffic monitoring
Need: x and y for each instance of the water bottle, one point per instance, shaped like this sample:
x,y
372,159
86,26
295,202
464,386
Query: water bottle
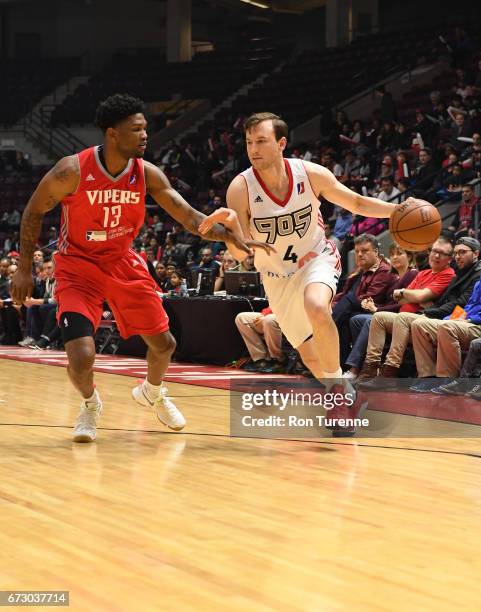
x,y
183,289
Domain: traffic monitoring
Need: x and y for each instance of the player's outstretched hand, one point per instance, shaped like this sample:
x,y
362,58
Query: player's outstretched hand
x,y
229,219
22,286
225,216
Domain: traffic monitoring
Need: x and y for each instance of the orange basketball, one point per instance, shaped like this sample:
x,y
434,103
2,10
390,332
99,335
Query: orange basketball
x,y
415,224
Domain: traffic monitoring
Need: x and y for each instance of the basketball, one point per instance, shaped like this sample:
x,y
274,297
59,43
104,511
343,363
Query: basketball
x,y
415,224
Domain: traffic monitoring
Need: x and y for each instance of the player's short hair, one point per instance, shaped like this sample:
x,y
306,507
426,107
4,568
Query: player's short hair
x,y
280,126
115,109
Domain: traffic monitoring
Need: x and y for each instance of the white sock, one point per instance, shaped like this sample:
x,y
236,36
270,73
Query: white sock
x,y
153,391
94,398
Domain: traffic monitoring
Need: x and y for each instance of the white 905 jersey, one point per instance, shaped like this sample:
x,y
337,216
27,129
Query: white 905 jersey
x,y
293,227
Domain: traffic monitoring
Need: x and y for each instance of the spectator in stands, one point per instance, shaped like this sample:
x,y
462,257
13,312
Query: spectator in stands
x,y
38,257
403,138
263,338
372,279
425,171
228,263
464,219
403,186
438,345
422,291
426,128
9,313
366,225
343,224
161,274
176,280
22,162
13,219
168,250
462,128
386,140
388,191
455,180
207,261
41,313
402,170
403,263
358,134
387,111
328,162
12,243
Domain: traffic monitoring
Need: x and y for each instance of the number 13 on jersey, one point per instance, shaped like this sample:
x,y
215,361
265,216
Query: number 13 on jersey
x,y
112,215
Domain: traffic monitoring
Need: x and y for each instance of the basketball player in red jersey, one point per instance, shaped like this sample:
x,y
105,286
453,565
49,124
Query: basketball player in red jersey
x,y
102,191
277,201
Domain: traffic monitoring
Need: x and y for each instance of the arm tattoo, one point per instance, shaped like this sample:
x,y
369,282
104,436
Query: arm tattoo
x,y
30,228
62,175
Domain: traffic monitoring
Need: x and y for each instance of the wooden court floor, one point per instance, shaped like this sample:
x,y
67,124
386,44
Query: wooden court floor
x,y
146,519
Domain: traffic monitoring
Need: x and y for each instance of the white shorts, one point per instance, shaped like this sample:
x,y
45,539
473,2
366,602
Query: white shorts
x,y
286,295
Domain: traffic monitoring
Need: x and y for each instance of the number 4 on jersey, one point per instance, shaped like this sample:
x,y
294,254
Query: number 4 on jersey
x,y
290,256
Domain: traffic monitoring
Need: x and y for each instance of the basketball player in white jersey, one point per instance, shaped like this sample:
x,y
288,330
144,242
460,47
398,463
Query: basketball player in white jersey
x,y
277,201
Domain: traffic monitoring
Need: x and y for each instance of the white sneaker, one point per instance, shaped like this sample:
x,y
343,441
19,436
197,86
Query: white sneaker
x,y
26,341
165,409
350,376
85,429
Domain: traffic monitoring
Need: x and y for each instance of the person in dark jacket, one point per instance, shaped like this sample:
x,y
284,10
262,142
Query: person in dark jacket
x,y
372,280
459,290
387,111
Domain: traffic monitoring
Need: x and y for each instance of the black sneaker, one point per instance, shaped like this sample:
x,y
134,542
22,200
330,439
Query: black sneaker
x,y
452,387
255,366
425,385
274,367
475,392
41,344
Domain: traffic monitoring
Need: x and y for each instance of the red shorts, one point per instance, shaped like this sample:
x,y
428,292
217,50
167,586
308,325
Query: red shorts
x,y
125,285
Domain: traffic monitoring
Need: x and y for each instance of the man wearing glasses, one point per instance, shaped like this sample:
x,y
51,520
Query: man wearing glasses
x,y
428,286
438,343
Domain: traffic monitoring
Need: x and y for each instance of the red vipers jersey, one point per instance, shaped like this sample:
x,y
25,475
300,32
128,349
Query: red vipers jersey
x,y
104,215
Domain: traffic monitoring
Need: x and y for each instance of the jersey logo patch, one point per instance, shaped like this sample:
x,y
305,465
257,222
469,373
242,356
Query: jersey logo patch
x,y
258,199
132,179
90,178
300,188
96,236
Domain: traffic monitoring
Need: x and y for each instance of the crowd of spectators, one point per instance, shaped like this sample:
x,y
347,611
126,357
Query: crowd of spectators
x,y
433,152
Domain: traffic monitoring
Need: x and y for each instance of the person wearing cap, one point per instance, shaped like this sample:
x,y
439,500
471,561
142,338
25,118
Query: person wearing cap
x,y
457,293
451,323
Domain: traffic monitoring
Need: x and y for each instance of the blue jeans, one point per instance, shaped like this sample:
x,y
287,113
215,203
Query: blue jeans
x,y
359,326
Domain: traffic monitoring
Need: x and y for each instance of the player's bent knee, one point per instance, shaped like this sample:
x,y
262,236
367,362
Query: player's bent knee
x,y
318,312
162,344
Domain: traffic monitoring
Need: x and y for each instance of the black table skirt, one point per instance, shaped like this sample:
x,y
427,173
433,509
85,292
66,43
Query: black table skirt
x,y
204,329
